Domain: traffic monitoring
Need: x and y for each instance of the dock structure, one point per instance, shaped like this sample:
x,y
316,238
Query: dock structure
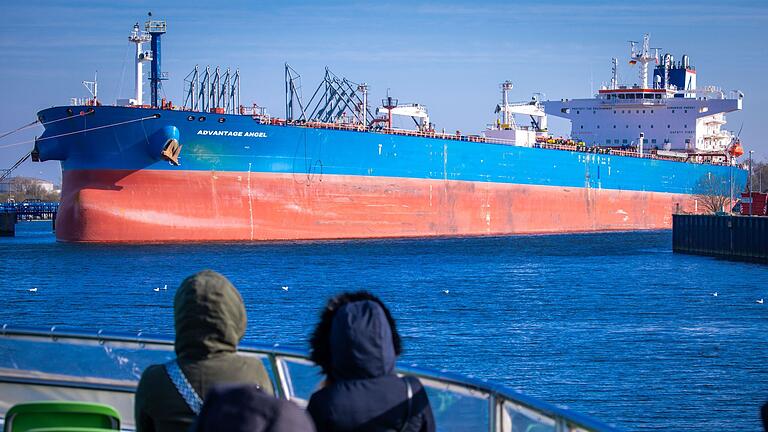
x,y
7,224
742,238
12,212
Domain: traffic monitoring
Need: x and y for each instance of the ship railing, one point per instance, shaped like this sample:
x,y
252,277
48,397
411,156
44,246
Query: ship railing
x,y
58,364
480,139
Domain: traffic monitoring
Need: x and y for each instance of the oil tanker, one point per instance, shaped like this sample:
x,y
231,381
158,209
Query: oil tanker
x,y
216,170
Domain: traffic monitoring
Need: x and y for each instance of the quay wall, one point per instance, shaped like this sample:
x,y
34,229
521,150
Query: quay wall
x,y
743,238
7,224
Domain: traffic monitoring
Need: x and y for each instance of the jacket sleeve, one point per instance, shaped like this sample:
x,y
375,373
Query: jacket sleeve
x,y
141,415
263,380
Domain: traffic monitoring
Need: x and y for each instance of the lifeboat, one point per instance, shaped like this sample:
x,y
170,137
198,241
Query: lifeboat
x,y
736,149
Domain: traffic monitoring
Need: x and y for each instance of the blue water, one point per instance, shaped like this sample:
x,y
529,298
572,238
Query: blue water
x,y
612,325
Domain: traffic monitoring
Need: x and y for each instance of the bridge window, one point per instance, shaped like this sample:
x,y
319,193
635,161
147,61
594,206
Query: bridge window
x,y
615,141
653,141
649,96
623,141
621,96
608,141
658,96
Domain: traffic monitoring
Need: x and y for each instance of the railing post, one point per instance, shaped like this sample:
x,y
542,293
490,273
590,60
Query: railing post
x,y
493,415
278,372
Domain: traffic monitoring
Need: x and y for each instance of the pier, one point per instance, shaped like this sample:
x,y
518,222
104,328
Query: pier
x,y
742,238
11,213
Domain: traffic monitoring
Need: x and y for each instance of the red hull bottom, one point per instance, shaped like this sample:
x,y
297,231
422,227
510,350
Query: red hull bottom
x,y
159,206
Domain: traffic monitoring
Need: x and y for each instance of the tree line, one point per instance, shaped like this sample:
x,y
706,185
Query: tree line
x,y
24,188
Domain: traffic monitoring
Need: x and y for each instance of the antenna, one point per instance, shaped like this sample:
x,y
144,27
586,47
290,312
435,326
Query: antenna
x,y
614,73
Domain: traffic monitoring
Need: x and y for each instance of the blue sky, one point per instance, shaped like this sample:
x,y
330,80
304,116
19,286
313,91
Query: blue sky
x,y
450,56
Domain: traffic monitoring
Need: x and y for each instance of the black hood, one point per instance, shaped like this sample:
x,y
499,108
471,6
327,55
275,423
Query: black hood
x,y
361,342
209,316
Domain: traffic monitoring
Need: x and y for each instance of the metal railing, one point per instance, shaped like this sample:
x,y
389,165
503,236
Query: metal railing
x,y
565,146
111,363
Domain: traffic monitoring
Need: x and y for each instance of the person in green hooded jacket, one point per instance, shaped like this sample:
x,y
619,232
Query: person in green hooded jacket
x,y
210,320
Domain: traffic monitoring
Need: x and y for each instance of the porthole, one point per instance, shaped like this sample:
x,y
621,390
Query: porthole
x,y
201,118
191,118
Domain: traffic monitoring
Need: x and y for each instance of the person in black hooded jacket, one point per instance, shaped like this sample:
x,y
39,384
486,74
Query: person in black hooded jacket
x,y
356,344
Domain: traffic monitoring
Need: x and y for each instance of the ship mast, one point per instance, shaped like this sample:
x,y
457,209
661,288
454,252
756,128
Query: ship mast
x,y
643,57
155,28
506,86
138,37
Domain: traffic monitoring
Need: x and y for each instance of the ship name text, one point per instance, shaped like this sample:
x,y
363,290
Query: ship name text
x,y
245,134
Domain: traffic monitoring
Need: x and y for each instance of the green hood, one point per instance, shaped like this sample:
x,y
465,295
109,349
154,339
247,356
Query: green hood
x,y
209,316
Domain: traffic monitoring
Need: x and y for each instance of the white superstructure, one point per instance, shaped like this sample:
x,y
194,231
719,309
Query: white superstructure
x,y
670,114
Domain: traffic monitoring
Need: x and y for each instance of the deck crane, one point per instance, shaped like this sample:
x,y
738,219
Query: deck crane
x,y
415,111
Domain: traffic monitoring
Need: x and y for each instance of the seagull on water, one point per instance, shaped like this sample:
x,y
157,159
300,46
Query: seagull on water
x,y
165,288
446,291
714,294
759,301
285,288
32,289
156,289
